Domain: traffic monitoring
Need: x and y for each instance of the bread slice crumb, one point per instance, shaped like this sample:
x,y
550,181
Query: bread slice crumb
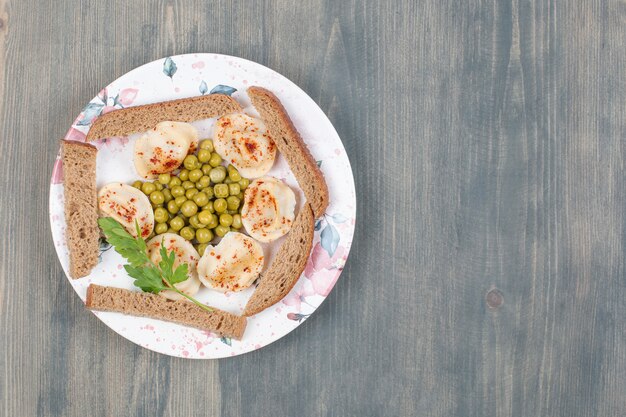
x,y
81,206
154,306
287,266
124,122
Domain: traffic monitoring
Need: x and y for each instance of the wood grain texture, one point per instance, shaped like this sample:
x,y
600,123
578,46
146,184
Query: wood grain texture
x,y
487,273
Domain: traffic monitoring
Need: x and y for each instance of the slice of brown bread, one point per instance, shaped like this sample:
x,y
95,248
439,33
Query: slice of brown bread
x,y
123,122
183,312
287,266
81,206
290,144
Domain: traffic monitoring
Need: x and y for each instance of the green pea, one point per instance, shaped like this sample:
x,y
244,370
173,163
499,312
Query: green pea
x,y
232,202
217,175
157,197
207,144
165,178
243,183
240,196
204,155
195,175
194,221
228,181
204,217
147,188
177,223
204,181
160,215
221,230
226,219
191,162
201,248
220,190
167,194
220,205
206,168
204,235
201,199
215,160
180,200
172,207
234,175
137,184
175,181
158,185
189,208
183,175
187,185
237,221
234,189
160,228
177,191
187,233
209,192
190,193
213,223
231,212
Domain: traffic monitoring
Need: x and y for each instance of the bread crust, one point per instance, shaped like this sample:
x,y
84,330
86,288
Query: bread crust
x,y
285,271
123,122
150,305
80,206
286,136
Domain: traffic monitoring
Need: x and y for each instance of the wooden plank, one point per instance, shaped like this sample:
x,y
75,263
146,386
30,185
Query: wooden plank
x,y
487,273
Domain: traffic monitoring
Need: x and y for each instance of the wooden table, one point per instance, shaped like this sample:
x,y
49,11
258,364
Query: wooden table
x,y
487,277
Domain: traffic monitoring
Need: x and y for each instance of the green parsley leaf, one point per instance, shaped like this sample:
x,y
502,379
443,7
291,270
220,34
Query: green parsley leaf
x,y
148,276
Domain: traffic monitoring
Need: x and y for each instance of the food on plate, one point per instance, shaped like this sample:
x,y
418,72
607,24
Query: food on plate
x,y
124,122
164,148
199,191
169,271
200,201
245,143
268,209
126,204
290,144
144,304
184,253
81,206
233,264
290,260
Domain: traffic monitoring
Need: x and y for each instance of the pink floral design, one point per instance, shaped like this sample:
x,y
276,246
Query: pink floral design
x,y
107,109
127,96
319,266
298,296
75,134
57,172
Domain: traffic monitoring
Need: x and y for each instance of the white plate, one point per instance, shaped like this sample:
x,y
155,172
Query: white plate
x,y
192,75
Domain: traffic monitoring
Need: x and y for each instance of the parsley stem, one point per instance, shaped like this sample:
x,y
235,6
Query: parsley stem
x,y
190,298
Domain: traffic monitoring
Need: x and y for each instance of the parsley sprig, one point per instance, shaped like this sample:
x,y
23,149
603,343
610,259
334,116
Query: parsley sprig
x,y
148,276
